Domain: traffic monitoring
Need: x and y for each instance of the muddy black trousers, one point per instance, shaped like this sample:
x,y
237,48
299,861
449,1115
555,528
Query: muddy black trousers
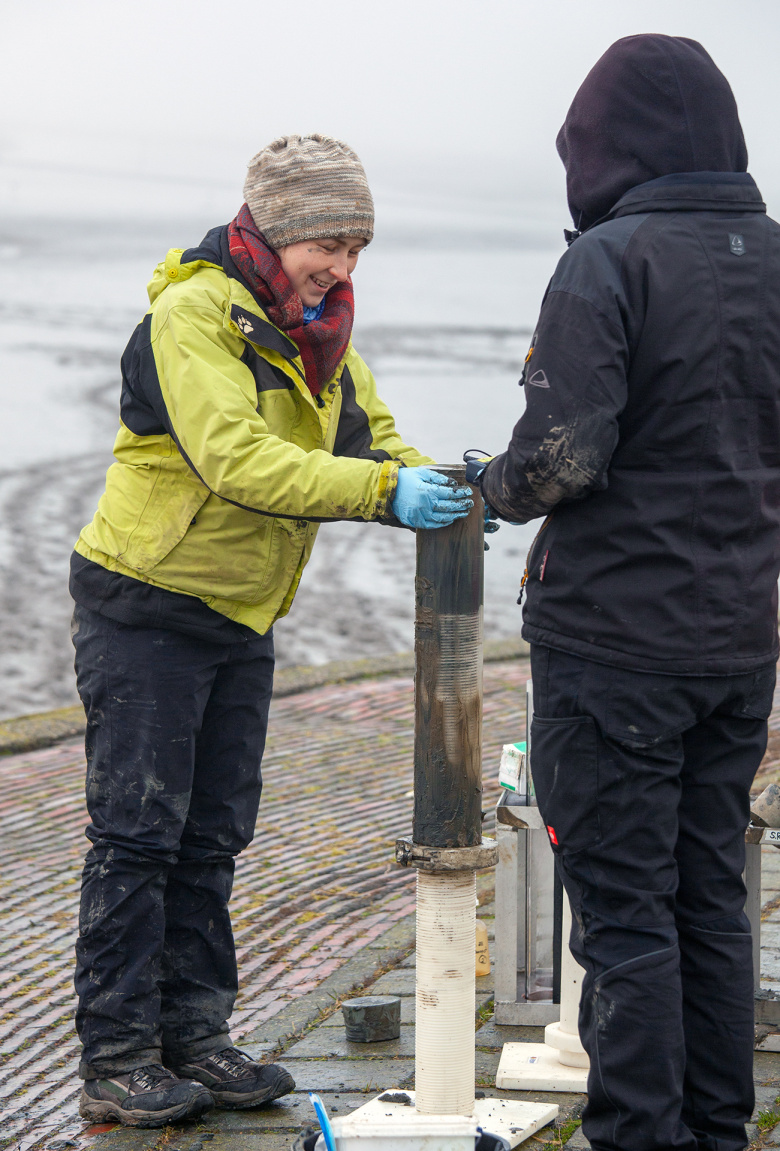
x,y
175,735
643,781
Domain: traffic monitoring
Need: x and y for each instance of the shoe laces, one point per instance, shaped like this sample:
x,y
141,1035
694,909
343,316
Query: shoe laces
x,y
150,1077
231,1059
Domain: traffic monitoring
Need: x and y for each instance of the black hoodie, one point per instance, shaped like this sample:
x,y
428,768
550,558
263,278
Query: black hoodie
x,y
651,106
652,423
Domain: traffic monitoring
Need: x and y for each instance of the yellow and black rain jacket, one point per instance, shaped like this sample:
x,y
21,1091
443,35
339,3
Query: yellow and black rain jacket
x,y
225,461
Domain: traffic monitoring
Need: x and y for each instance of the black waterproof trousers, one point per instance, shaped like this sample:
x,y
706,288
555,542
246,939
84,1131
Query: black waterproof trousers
x,y
175,736
643,781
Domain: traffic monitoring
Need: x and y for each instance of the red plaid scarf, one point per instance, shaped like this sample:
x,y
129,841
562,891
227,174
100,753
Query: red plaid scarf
x,y
322,342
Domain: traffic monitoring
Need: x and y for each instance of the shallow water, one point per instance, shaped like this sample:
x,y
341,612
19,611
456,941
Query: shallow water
x,y
444,328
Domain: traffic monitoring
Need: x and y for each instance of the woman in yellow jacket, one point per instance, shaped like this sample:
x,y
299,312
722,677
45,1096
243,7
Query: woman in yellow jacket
x,y
247,418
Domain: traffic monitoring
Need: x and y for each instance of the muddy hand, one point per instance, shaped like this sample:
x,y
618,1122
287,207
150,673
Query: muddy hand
x,y
427,499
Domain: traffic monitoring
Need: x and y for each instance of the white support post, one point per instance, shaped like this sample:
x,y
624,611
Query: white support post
x,y
560,1063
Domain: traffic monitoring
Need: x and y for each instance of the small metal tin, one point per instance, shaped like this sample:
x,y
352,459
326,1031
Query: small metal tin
x,y
372,1018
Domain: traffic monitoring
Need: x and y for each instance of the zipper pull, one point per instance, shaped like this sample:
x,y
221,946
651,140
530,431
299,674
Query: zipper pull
x,y
319,399
523,582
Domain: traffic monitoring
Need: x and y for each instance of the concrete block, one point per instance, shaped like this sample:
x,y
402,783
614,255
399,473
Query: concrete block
x,y
407,1014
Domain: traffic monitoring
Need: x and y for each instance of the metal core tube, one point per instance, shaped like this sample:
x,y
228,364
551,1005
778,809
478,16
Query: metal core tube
x,y
448,681
447,803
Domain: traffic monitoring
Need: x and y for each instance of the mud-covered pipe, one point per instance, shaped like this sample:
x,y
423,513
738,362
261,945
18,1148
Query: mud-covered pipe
x,y
448,685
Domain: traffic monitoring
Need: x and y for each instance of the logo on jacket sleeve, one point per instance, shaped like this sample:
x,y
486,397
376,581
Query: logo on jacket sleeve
x,y
243,323
539,380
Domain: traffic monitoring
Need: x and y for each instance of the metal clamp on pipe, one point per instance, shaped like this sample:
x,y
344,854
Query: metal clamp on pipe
x,y
442,859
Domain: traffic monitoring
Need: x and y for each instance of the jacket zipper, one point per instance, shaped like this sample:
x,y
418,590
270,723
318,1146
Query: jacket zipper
x,y
524,580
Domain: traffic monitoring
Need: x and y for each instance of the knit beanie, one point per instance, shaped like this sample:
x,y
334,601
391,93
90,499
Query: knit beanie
x,y
304,187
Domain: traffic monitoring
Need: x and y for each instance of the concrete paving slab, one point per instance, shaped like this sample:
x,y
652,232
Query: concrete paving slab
x,y
486,1066
398,982
256,1050
248,1141
401,935
401,982
766,1068
766,1098
577,1142
295,1109
493,1036
301,1012
327,1042
352,1075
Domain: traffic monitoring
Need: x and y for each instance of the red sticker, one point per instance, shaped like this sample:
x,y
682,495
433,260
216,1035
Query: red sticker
x,y
552,835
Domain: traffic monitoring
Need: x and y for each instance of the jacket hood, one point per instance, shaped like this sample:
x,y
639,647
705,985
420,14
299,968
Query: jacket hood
x,y
651,106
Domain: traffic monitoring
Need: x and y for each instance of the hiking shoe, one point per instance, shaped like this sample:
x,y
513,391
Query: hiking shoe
x,y
146,1097
235,1080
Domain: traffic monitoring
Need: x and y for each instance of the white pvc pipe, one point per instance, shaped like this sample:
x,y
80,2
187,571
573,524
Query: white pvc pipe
x,y
444,1027
564,1036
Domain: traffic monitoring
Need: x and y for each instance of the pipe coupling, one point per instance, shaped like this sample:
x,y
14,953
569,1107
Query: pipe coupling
x,y
441,859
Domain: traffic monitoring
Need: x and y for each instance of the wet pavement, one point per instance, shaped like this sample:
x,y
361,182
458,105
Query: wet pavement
x,y
320,911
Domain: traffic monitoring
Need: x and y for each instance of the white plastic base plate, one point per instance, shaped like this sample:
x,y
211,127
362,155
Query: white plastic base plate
x,y
535,1067
382,1126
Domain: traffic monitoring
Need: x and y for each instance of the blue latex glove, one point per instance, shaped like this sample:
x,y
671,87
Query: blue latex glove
x,y
425,499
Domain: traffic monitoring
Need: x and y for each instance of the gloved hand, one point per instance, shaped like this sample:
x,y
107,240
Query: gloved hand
x,y
491,524
425,499
476,461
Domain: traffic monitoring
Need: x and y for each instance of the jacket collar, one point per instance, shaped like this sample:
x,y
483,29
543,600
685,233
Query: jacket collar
x,y
692,192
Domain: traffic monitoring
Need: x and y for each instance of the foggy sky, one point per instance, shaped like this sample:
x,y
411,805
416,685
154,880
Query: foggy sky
x,y
145,107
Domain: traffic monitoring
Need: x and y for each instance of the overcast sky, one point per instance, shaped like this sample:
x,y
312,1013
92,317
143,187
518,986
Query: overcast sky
x,y
155,106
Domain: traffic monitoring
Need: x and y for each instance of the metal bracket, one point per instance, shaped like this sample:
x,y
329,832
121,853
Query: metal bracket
x,y
435,859
521,816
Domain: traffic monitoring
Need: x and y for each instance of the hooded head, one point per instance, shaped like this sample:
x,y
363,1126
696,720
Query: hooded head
x,y
652,105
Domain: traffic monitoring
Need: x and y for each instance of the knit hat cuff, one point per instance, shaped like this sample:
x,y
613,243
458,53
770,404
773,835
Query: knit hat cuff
x,y
319,226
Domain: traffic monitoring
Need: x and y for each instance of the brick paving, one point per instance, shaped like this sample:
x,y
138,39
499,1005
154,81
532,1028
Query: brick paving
x,y
317,886
316,894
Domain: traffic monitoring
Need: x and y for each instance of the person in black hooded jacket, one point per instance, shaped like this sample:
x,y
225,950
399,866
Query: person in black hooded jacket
x,y
651,443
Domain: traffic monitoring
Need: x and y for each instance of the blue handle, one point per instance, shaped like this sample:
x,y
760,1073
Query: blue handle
x,y
322,1116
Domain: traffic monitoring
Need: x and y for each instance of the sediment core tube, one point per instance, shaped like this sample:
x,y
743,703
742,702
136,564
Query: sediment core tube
x,y
444,1048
